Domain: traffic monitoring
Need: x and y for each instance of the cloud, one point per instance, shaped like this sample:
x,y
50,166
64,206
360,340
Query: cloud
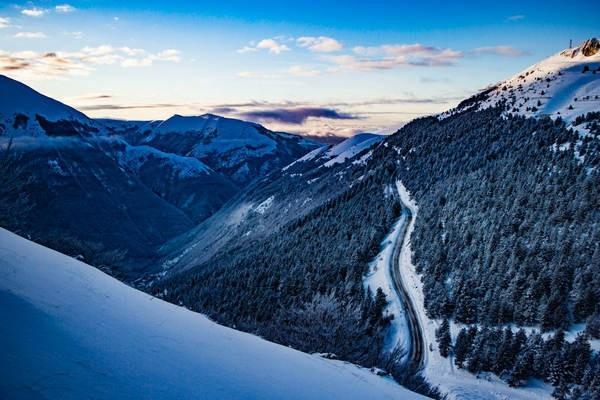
x,y
296,116
320,44
33,12
132,52
40,65
171,55
4,22
136,62
30,35
64,8
272,45
247,49
506,51
518,17
223,110
94,97
257,75
389,56
303,71
55,64
75,34
103,107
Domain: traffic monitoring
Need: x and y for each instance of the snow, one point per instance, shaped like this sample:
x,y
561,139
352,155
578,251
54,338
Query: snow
x,y
219,134
379,276
24,100
557,83
307,157
70,331
351,147
135,157
265,205
363,159
439,371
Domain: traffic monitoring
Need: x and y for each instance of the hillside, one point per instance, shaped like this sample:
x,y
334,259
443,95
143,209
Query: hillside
x,y
506,235
72,332
270,202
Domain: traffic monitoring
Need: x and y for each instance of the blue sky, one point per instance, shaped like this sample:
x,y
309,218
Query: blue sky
x,y
360,66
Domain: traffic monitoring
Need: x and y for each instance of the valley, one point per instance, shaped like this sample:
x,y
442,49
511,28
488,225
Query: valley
x,y
458,257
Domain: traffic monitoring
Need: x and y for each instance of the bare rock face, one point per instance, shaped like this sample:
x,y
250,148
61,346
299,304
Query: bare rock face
x,y
589,48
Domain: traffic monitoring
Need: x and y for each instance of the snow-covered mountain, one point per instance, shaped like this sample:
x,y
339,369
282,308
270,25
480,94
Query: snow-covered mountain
x,y
25,112
72,332
104,186
240,150
564,85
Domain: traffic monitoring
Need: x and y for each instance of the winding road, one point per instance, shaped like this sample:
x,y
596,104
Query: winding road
x,y
415,356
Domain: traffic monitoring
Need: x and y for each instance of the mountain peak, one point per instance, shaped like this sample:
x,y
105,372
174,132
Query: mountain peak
x,y
587,49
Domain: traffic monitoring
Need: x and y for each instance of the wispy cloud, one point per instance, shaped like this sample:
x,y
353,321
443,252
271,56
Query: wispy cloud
x,y
517,17
4,22
104,107
273,46
389,56
75,34
319,44
34,12
257,75
507,51
303,71
30,35
295,116
56,64
64,8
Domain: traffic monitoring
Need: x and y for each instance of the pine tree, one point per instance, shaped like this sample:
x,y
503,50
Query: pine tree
x,y
442,334
462,347
522,369
506,353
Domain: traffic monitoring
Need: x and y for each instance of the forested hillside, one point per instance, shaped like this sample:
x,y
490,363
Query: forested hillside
x,y
302,285
507,233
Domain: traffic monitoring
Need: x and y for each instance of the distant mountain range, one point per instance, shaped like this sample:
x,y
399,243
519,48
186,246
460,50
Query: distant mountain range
x,y
112,191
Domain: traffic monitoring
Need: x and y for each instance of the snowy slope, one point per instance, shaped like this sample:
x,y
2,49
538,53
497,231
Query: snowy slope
x,y
71,332
328,156
20,107
217,133
566,84
351,147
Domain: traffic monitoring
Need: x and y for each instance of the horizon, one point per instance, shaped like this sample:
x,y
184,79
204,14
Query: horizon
x,y
348,70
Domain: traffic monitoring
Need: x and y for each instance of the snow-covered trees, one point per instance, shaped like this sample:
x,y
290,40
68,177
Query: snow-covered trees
x,y
442,334
302,285
516,357
14,201
507,232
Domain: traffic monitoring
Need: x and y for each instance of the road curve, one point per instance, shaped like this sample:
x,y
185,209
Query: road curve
x,y
415,356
